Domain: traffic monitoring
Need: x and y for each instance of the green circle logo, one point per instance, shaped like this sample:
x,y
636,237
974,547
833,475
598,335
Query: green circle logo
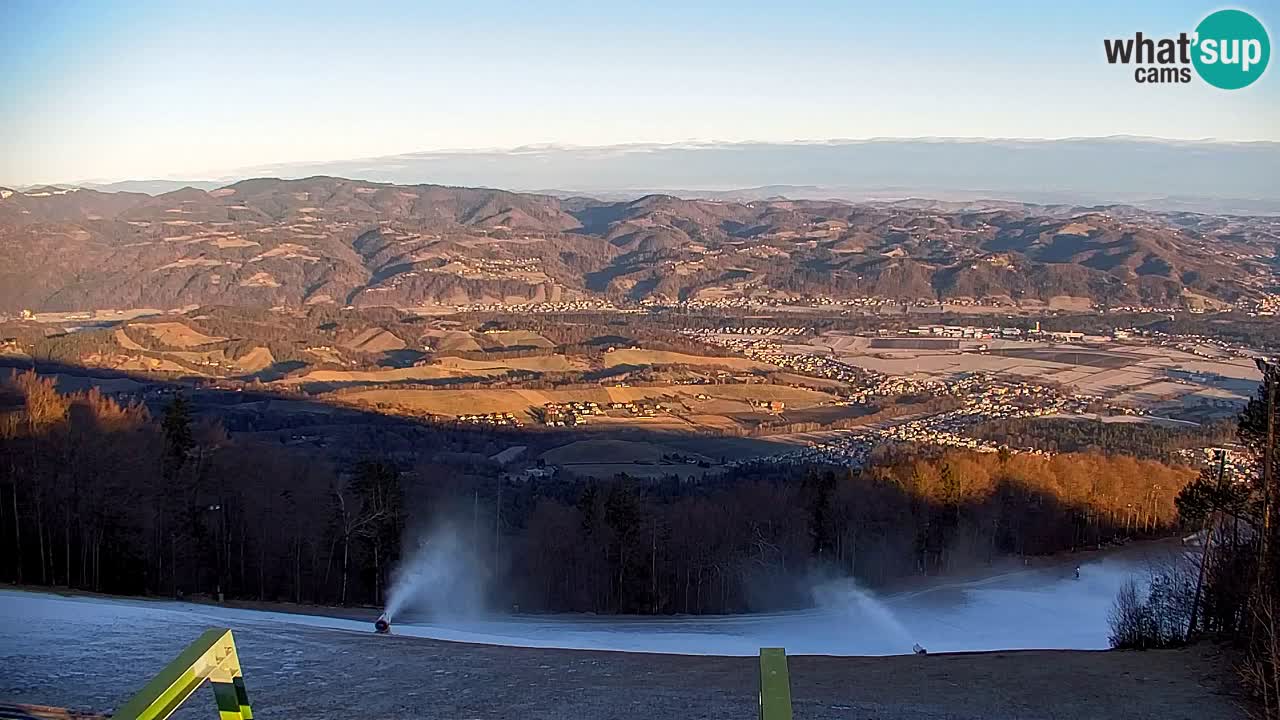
x,y
1232,49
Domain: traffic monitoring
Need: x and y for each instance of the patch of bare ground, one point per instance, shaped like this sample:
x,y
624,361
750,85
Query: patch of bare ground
x,y
1188,683
299,672
417,678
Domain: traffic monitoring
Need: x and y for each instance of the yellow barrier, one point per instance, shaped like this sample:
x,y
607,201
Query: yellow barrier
x,y
211,657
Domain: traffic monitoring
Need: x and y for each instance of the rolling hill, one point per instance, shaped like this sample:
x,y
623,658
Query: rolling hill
x,y
269,242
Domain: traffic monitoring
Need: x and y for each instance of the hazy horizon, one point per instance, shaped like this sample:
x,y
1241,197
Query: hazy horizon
x,y
1226,177
115,91
289,166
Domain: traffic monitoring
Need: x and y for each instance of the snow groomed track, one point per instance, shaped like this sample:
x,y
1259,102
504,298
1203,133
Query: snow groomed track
x,y
1023,609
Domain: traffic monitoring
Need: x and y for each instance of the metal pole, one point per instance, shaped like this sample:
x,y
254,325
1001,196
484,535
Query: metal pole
x,y
497,518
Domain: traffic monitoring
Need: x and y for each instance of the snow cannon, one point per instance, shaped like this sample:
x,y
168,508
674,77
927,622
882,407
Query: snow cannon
x,y
382,625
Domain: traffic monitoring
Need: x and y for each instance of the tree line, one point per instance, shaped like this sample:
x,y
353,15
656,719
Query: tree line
x,y
1145,440
758,540
99,495
1235,593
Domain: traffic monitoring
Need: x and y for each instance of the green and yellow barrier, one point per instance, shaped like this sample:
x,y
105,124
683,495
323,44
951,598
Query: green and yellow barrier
x,y
211,657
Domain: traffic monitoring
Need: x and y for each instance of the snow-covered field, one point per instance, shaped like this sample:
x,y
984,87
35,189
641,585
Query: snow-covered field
x,y
1026,608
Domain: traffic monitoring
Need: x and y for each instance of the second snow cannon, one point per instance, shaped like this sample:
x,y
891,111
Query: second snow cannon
x,y
382,625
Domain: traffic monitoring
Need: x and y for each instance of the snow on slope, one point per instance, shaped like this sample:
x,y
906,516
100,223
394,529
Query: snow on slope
x,y
1031,609
1041,608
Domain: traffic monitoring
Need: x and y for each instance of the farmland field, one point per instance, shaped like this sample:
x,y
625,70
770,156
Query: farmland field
x,y
427,372
914,344
1198,381
636,356
516,338
1072,356
175,334
719,399
541,363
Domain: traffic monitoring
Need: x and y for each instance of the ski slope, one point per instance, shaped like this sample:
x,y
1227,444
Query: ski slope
x,y
1024,609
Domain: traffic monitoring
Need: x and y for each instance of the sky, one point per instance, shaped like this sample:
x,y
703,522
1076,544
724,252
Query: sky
x,y
101,91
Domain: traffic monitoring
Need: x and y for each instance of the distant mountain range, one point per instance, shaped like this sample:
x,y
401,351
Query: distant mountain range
x,y
1176,175
267,242
151,187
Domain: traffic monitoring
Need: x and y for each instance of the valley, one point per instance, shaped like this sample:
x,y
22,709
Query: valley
x,y
647,394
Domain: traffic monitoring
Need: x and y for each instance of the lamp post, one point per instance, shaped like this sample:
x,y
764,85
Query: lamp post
x,y
219,533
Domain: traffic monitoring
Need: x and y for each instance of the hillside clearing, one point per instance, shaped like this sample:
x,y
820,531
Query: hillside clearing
x,y
374,340
175,334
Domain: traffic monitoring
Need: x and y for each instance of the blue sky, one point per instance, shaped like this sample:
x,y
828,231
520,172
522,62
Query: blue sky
x,y
139,89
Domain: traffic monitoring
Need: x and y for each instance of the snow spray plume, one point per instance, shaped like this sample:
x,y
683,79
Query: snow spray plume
x,y
440,576
871,626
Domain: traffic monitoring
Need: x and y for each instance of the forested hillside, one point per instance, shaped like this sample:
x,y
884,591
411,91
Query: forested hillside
x,y
104,497
331,241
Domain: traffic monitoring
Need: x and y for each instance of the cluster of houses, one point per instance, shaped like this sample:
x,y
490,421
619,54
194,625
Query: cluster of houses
x,y
921,302
1265,306
760,330
565,306
484,268
494,418
569,414
973,332
858,302
815,366
984,399
1234,464
1147,309
707,304
893,386
854,448
1188,342
961,331
768,351
639,408
776,407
